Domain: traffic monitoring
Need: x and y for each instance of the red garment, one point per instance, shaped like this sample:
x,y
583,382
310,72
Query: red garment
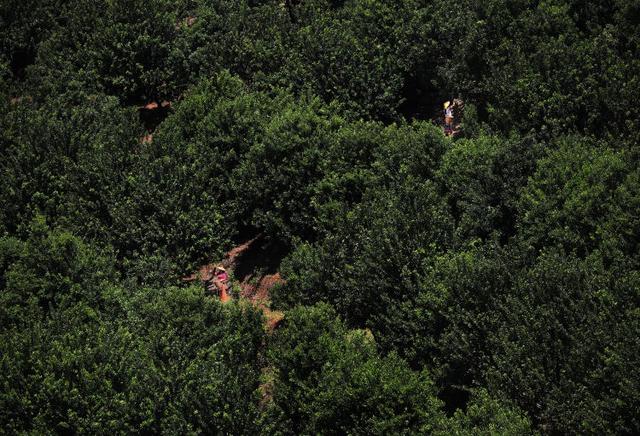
x,y
222,276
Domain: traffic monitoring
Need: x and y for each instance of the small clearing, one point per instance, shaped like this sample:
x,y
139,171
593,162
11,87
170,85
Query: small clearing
x,y
253,267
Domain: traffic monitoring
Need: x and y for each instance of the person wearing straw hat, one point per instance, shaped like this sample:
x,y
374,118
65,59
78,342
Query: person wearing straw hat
x,y
217,283
220,274
448,118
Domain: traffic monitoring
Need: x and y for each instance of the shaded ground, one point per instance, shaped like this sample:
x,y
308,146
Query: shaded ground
x,y
151,115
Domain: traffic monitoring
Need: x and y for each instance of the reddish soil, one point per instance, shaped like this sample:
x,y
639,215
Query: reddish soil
x,y
259,291
231,257
259,294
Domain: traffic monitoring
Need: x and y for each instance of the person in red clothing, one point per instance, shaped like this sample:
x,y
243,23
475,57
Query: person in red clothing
x,y
217,283
220,274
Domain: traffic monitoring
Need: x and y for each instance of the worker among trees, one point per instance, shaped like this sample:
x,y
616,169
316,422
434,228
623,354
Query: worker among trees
x,y
220,274
448,118
217,283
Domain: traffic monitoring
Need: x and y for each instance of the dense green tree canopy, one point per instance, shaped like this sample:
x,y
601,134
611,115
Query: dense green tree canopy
x,y
482,283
